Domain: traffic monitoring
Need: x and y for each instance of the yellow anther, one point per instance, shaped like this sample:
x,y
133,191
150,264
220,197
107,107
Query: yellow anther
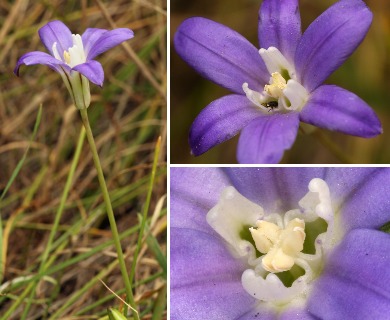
x,y
278,80
67,57
280,246
278,83
265,235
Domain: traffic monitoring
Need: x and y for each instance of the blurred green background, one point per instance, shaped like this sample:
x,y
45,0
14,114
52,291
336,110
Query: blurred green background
x,y
364,73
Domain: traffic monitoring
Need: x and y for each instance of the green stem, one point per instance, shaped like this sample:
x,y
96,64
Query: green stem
x,y
110,212
326,142
335,150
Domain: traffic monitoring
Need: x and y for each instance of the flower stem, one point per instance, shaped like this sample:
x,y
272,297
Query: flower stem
x,y
326,142
110,212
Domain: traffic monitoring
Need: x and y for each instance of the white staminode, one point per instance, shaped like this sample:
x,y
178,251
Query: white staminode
x,y
284,94
279,237
76,83
75,54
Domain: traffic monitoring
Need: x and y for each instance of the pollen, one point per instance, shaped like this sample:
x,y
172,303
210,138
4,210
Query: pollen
x,y
278,84
67,57
279,246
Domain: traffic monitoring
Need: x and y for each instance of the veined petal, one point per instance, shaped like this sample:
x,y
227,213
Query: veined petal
x,y
205,278
334,108
98,42
90,36
362,211
92,70
260,312
345,182
194,191
203,254
266,186
220,54
38,57
292,313
280,26
265,138
56,31
355,281
221,120
330,40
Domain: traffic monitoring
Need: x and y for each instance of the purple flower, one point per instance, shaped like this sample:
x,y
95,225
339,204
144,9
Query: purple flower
x,y
236,243
71,55
276,87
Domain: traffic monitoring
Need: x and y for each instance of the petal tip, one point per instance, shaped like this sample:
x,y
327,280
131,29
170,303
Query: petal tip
x,y
195,149
16,70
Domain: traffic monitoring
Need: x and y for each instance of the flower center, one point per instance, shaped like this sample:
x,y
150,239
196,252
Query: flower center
x,y
283,93
280,246
75,54
284,252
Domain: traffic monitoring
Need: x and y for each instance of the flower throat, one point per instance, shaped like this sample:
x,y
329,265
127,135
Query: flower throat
x,y
283,93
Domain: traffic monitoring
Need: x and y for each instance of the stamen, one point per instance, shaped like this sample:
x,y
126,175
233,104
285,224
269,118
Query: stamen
x,y
283,93
67,57
278,83
280,246
287,267
75,55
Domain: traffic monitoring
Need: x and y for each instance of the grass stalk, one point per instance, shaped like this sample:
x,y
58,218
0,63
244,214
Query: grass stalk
x,y
57,218
145,210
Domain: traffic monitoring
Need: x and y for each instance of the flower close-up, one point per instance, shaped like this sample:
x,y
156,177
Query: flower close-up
x,y
71,55
279,243
279,84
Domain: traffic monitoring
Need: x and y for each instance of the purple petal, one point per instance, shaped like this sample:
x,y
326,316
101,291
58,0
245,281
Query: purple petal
x,y
368,206
219,121
194,191
38,57
334,108
296,313
90,36
355,282
220,54
56,31
97,41
93,70
205,278
265,139
266,186
345,182
280,26
260,312
330,40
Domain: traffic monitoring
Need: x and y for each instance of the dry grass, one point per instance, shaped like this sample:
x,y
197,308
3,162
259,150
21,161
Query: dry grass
x,y
127,116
